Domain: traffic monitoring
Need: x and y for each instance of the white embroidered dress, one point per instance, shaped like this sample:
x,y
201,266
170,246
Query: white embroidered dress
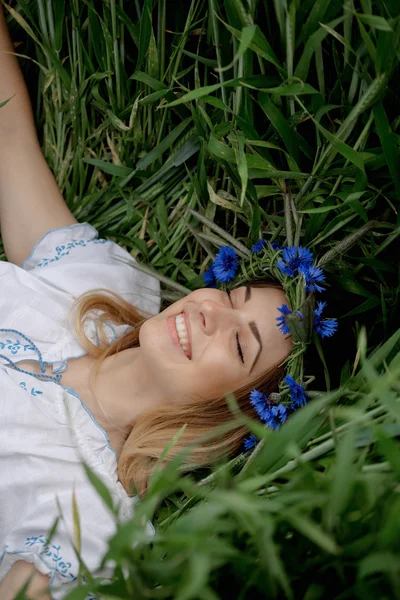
x,y
40,454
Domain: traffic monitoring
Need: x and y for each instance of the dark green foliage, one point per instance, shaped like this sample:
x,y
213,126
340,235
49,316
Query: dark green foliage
x,y
248,112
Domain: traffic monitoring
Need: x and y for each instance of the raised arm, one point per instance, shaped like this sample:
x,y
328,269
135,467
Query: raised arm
x,y
18,575
30,201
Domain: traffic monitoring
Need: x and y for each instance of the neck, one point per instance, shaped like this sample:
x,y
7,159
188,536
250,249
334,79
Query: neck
x,y
122,391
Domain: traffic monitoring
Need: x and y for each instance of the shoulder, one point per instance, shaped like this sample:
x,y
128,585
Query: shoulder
x,y
76,260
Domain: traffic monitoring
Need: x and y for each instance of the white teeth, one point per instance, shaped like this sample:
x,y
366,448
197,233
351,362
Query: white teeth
x,y
182,333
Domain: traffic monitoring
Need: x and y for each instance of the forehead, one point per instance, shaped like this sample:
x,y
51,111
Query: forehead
x,y
262,308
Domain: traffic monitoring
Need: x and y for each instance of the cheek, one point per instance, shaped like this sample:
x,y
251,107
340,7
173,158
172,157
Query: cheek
x,y
216,375
158,351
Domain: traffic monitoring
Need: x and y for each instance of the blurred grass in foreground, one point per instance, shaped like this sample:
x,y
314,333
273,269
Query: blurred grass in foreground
x,y
275,118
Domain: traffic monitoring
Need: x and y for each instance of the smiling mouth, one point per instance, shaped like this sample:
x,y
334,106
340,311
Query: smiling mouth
x,y
183,335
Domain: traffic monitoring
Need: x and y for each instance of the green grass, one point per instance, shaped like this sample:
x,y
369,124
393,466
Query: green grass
x,y
264,117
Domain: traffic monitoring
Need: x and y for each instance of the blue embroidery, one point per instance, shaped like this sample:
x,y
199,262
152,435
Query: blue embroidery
x,y
15,346
55,378
64,250
42,364
52,552
33,391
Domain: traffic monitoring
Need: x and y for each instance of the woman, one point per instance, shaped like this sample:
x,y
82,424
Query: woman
x,y
154,375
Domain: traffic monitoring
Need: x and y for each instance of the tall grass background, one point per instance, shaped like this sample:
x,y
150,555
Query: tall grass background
x,y
171,126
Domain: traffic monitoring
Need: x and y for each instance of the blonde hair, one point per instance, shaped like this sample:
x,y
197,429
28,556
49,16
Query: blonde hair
x,y
152,430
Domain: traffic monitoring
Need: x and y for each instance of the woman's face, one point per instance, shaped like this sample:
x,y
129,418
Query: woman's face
x,y
204,358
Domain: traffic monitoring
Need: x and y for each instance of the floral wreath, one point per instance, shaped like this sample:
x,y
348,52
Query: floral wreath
x,y
293,266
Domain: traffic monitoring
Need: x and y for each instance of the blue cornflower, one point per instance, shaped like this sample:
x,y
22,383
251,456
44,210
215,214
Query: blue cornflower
x,y
272,417
282,320
225,265
259,401
313,275
285,310
280,412
258,246
296,393
325,327
283,412
250,442
292,258
209,278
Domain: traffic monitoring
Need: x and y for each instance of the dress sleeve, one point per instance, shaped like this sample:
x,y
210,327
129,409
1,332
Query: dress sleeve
x,y
75,260
56,557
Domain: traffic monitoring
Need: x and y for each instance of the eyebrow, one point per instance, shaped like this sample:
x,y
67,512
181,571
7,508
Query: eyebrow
x,y
254,330
256,333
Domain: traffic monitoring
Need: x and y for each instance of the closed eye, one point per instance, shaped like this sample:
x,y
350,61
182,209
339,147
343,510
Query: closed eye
x,y
237,334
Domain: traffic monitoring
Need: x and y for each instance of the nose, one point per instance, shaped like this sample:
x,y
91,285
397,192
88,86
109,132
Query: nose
x,y
217,316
